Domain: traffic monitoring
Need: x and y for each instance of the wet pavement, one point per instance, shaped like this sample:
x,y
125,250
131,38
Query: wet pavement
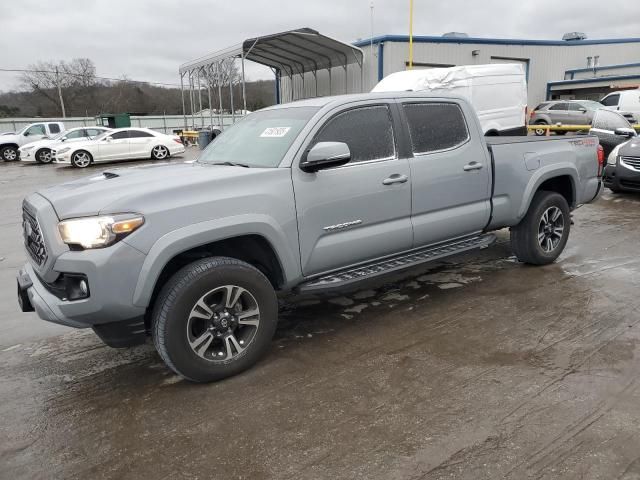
x,y
475,368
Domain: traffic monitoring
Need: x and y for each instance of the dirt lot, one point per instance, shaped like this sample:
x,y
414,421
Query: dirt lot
x,y
475,368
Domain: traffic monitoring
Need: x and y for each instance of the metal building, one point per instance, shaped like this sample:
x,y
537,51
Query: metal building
x,y
555,68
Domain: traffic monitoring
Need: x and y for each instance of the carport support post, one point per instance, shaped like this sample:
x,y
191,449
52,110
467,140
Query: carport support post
x,y
244,92
200,101
233,112
219,94
329,69
184,109
193,108
346,79
208,77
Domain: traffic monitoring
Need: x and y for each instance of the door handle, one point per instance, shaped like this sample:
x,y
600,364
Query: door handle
x,y
472,166
395,178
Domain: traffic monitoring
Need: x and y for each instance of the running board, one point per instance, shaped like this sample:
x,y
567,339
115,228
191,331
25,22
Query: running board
x,y
344,278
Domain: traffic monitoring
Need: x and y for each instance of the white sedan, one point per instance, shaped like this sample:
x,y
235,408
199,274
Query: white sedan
x,y
40,151
120,144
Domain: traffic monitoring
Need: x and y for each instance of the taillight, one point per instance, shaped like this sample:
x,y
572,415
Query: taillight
x,y
177,140
600,160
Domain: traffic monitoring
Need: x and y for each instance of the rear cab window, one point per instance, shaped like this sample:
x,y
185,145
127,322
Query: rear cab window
x,y
435,126
54,128
368,131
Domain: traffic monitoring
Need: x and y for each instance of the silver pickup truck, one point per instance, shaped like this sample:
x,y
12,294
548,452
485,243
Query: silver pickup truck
x,y
304,197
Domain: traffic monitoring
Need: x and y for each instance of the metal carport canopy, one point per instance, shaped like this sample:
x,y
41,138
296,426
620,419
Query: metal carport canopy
x,y
294,52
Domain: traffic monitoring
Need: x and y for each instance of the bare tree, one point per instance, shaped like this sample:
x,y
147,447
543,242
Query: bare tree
x,y
51,80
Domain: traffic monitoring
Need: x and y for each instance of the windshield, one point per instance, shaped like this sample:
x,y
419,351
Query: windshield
x,y
260,139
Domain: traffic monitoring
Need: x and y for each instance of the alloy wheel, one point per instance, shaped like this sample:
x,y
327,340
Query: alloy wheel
x,y
223,323
159,152
550,229
10,154
45,156
82,159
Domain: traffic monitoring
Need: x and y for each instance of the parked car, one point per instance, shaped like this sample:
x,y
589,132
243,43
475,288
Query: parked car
x,y
307,196
119,144
498,92
40,151
566,112
622,172
624,101
612,129
9,144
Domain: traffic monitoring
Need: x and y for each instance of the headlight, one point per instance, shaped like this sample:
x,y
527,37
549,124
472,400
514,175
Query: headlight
x,y
97,232
63,150
612,159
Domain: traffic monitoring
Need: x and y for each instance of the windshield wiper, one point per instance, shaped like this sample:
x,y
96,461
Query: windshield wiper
x,y
231,164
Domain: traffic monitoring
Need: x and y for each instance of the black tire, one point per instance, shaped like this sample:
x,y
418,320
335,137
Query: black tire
x,y
174,309
615,190
9,153
44,155
525,237
81,159
159,152
541,132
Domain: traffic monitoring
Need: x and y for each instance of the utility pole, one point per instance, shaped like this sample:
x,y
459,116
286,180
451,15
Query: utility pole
x,y
410,34
64,113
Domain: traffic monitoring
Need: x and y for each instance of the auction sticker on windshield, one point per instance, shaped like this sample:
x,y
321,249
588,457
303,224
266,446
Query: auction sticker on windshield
x,y
275,132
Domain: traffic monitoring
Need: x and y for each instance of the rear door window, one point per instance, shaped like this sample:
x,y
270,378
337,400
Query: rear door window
x,y
435,126
54,128
367,131
139,134
558,106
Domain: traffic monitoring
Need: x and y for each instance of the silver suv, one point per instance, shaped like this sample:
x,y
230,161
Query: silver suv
x,y
566,112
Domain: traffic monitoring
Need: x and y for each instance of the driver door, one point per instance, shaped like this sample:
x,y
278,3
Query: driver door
x,y
115,149
361,210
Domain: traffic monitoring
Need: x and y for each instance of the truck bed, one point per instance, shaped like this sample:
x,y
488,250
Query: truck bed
x,y
521,164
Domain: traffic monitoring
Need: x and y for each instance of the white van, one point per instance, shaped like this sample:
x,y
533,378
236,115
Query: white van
x,y
498,92
624,100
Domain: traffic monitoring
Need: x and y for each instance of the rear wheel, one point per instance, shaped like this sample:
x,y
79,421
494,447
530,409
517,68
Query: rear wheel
x,y
9,153
43,155
159,152
543,233
81,159
541,131
214,319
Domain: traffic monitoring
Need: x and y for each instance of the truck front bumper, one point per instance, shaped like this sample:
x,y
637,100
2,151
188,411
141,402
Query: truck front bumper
x,y
111,275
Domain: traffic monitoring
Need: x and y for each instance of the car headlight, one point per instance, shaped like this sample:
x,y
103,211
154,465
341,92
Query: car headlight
x,y
63,150
98,232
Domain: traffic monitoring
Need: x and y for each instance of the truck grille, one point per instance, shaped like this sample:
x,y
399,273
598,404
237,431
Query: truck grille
x,y
631,162
33,240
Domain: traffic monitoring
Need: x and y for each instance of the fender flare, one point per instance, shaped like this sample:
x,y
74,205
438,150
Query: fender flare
x,y
192,236
544,174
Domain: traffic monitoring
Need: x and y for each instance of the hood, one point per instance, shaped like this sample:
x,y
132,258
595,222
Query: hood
x,y
630,148
121,190
45,142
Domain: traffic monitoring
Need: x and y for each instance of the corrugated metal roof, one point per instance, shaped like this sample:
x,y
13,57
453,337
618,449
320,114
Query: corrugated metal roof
x,y
293,51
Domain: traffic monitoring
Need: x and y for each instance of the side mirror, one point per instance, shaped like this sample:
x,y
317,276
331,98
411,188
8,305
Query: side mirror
x,y
63,139
108,139
582,110
625,132
26,134
325,155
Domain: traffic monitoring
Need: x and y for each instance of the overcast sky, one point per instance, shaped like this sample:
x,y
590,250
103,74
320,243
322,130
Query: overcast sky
x,y
149,39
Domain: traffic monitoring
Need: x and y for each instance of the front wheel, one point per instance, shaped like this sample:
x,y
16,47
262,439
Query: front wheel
x,y
44,156
81,159
9,154
543,233
214,318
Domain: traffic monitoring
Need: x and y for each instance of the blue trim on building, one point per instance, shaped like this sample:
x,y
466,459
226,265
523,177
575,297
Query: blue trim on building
x,y
603,67
580,81
493,41
380,61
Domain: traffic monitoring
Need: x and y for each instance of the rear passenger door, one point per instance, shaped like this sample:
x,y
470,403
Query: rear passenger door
x,y
140,143
359,211
115,146
450,172
559,113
